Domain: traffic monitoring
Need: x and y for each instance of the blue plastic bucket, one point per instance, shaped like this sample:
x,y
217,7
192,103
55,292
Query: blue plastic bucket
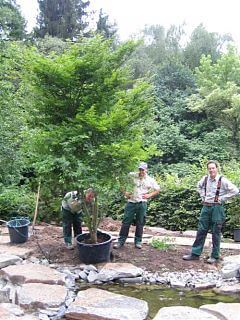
x,y
18,229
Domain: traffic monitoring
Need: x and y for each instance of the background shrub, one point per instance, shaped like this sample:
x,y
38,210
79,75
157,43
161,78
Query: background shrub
x,y
17,201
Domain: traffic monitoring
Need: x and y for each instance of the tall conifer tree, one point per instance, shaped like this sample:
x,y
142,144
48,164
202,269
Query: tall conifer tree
x,y
105,27
65,19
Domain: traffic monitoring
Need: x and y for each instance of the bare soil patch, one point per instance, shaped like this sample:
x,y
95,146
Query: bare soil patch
x,y
47,242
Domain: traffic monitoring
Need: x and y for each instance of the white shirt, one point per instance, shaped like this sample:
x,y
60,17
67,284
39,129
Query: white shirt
x,y
142,185
227,190
71,202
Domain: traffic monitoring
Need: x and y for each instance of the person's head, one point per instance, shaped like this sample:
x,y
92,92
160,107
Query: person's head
x,y
212,167
89,195
142,169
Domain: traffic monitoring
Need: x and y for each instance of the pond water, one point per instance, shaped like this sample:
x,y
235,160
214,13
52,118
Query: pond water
x,y
158,297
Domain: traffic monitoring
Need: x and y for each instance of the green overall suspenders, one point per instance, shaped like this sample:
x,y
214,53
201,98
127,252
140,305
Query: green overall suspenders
x,y
218,188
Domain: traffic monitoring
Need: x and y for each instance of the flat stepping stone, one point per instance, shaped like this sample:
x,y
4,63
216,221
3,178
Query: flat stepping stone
x,y
223,310
15,250
183,313
6,314
9,311
4,239
8,259
38,295
228,289
32,273
111,271
95,304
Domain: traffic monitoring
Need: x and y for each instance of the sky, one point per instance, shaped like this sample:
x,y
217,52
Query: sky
x,y
132,15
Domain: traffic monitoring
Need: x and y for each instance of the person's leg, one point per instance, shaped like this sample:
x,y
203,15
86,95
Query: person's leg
x,y
218,219
128,218
67,226
203,227
77,224
140,221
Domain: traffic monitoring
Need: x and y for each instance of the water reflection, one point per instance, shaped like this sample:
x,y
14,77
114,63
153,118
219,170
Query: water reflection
x,y
158,297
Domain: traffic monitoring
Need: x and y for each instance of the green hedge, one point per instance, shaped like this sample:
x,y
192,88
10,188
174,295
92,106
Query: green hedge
x,y
16,201
178,210
174,210
177,207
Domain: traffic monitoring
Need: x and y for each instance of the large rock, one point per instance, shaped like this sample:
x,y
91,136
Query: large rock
x,y
13,312
92,304
38,295
231,259
6,314
112,271
4,239
183,313
8,259
228,289
231,266
16,250
12,308
230,270
32,273
229,311
5,294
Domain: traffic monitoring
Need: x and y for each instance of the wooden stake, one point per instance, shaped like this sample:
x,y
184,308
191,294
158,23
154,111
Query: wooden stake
x,y
36,207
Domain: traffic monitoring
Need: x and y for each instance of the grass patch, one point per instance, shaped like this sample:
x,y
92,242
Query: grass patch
x,y
163,244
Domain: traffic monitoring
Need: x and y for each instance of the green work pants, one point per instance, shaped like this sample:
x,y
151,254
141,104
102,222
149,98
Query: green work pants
x,y
211,218
71,220
134,212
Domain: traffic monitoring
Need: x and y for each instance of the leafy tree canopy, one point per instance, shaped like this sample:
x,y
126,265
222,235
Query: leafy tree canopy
x,y
219,93
203,42
12,24
91,115
13,118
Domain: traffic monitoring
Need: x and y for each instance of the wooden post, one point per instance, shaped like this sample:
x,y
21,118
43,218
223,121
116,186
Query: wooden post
x,y
36,207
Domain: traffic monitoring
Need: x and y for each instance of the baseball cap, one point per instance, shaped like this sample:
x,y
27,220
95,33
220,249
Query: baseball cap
x,y
143,166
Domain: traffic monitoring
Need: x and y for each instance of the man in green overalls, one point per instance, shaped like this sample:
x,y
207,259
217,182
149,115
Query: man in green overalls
x,y
71,214
144,188
214,191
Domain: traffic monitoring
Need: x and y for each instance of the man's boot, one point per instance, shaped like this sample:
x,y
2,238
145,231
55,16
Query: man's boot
x,y
123,234
138,235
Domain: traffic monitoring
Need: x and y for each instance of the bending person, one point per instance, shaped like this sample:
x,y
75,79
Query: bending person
x,y
72,210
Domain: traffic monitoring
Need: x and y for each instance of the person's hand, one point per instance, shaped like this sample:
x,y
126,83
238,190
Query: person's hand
x,y
146,196
221,202
127,195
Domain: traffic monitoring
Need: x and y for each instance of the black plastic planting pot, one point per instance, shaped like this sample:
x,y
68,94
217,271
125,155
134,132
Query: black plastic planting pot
x,y
236,234
91,253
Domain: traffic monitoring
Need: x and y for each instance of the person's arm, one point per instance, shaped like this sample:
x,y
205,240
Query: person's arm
x,y
130,184
66,199
151,194
126,194
230,190
153,191
201,188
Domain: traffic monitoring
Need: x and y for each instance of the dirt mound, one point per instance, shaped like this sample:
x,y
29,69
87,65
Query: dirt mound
x,y
47,242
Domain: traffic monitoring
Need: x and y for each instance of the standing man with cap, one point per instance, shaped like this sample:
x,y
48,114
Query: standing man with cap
x,y
144,187
214,191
